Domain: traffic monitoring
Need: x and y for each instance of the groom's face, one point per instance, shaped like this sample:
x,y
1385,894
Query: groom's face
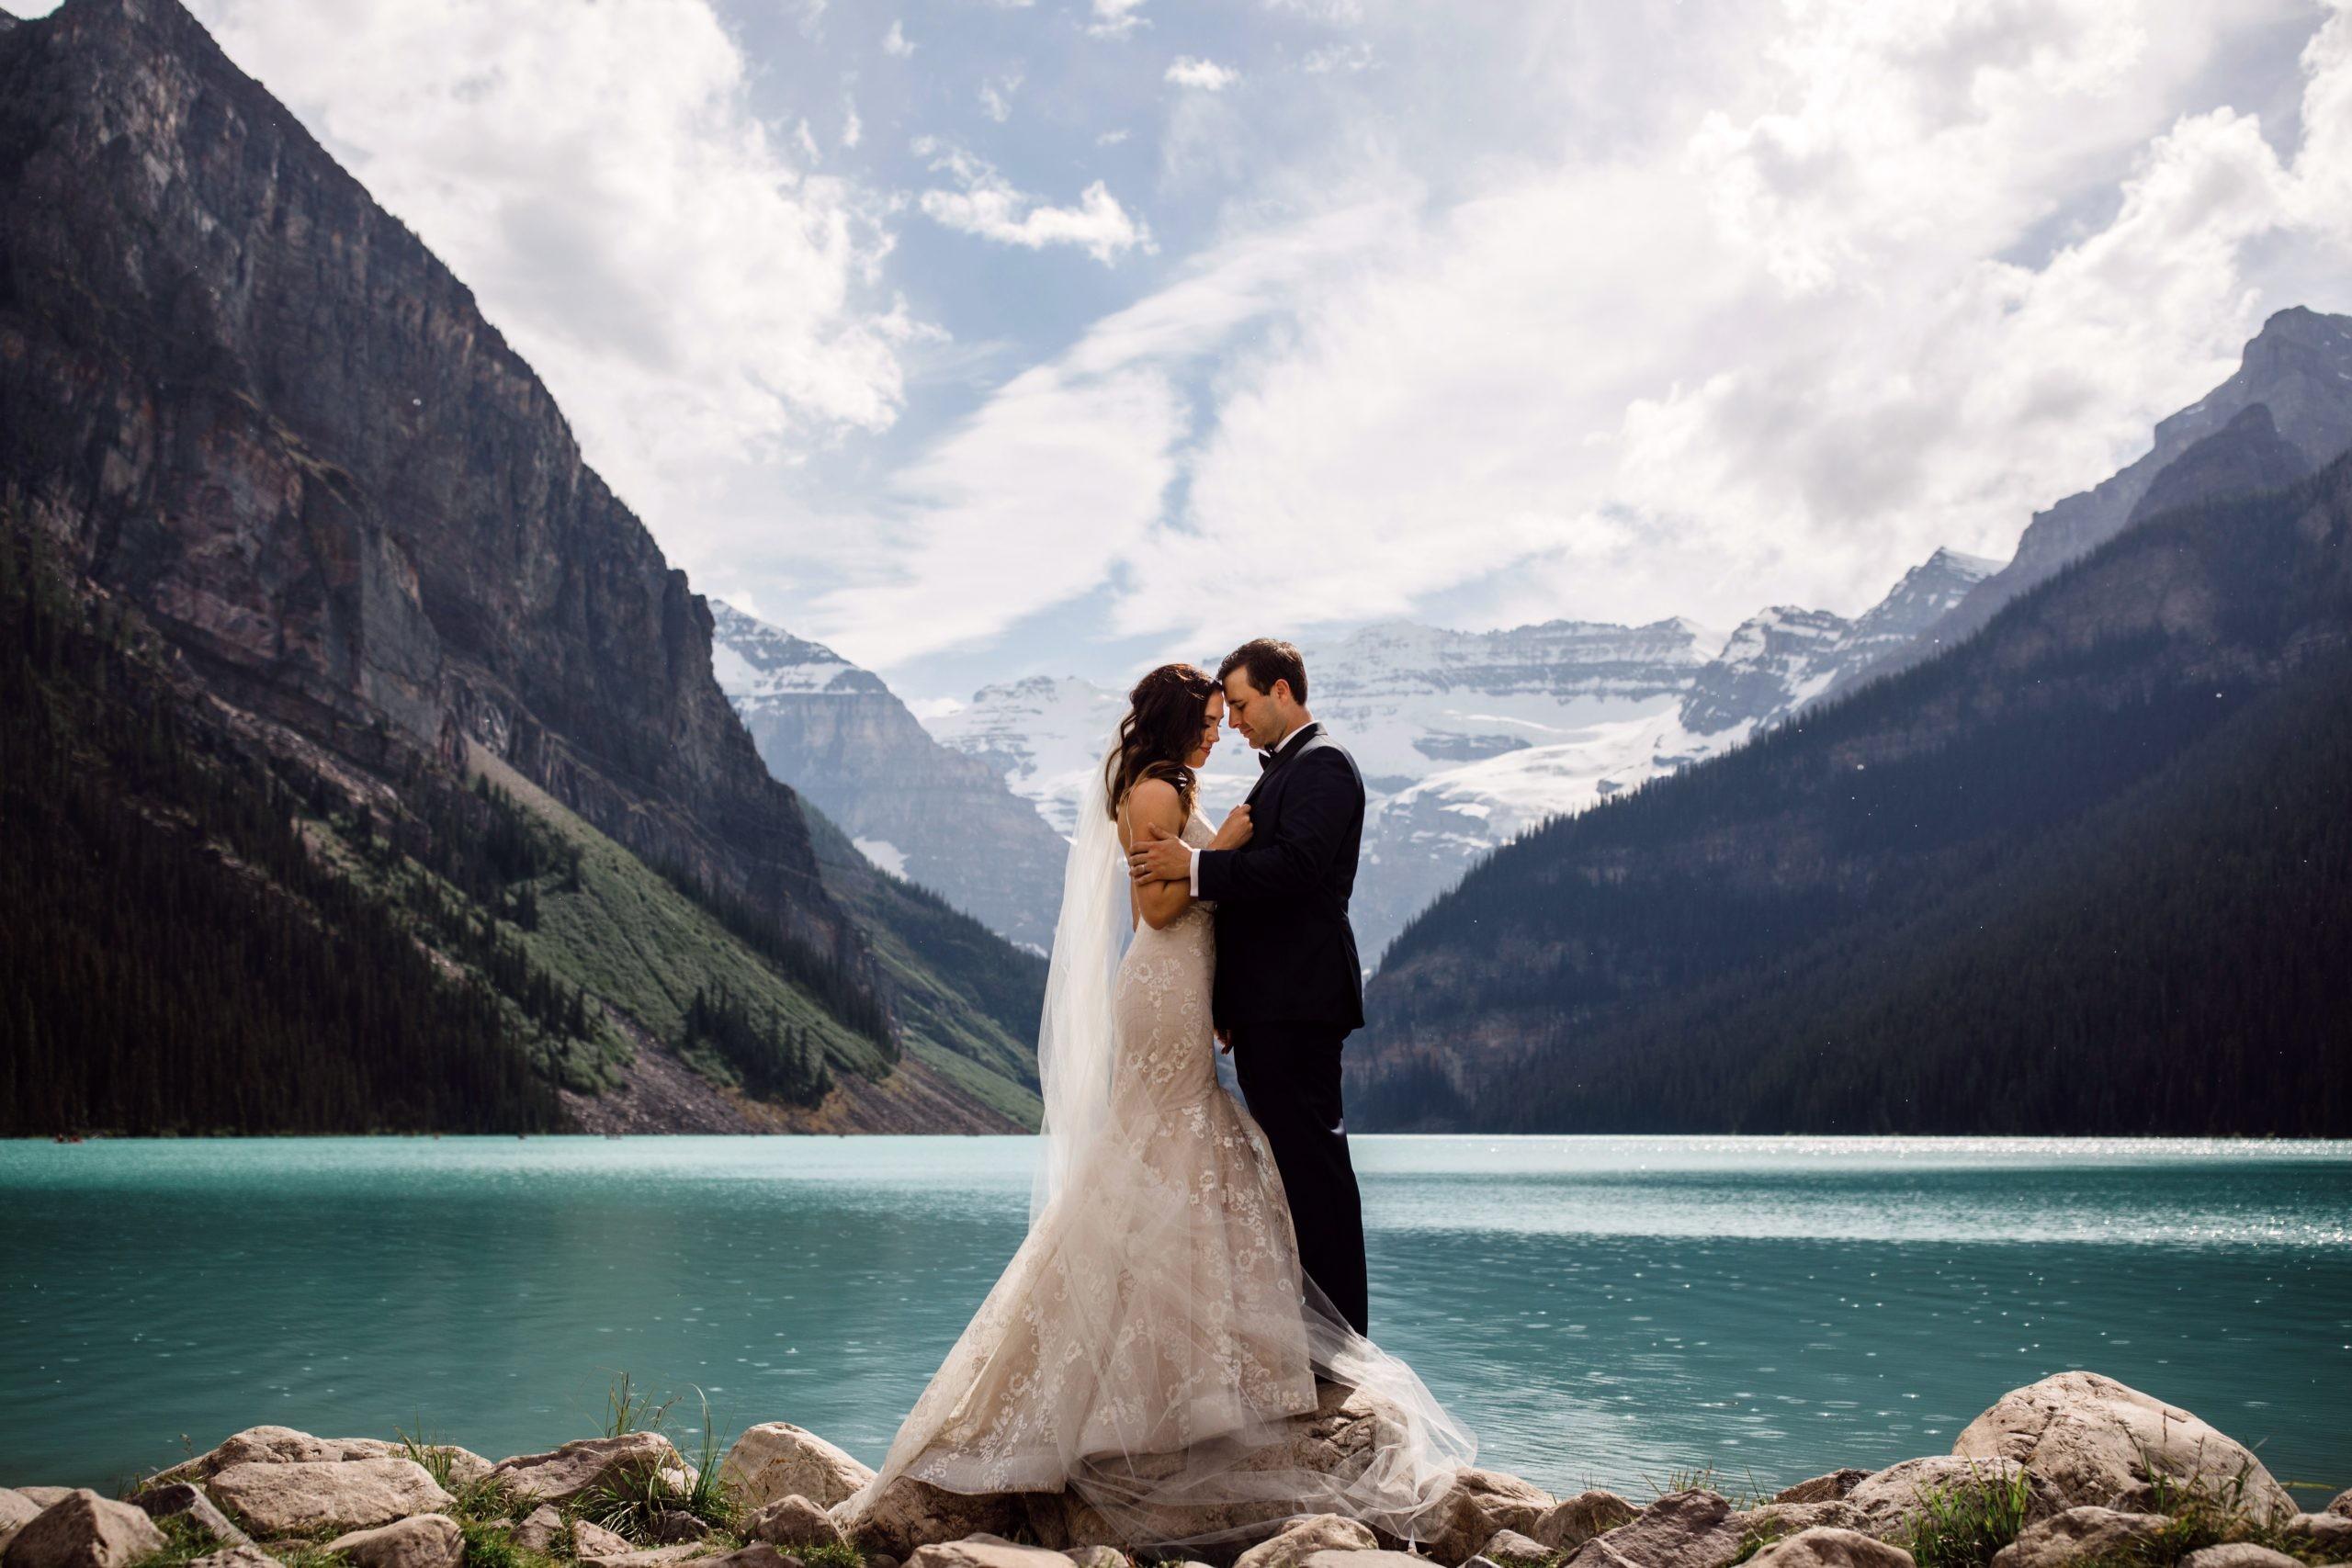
x,y
1258,716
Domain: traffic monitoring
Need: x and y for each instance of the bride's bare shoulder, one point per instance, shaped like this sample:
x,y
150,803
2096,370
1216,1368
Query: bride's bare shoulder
x,y
1152,800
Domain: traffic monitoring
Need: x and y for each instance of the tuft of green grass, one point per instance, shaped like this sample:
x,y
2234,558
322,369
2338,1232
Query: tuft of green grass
x,y
1962,1524
629,1506
830,1554
185,1540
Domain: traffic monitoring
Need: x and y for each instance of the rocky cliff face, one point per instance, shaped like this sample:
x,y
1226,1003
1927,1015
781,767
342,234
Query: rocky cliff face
x,y
918,809
239,392
2299,368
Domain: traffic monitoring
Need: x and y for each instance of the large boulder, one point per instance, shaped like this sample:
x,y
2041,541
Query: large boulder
x,y
2341,1503
285,1445
427,1540
1506,1548
2102,1442
184,1500
1319,1532
1364,1560
654,1556
82,1529
586,1463
1892,1498
297,1497
1694,1528
776,1459
1475,1506
1826,1546
1569,1524
2086,1532
42,1496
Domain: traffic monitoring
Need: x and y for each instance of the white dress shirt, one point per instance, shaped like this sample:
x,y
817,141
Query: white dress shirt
x,y
1284,744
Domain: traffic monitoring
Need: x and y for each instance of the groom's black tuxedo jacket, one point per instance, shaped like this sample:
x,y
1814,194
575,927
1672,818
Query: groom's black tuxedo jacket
x,y
1285,949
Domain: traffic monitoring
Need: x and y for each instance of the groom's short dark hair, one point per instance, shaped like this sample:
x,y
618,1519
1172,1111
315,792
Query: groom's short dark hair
x,y
1268,659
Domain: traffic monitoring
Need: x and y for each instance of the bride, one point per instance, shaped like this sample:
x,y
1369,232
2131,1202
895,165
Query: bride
x,y
1149,1342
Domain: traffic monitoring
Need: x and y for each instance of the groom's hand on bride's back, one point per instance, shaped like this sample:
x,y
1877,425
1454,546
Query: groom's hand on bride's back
x,y
1160,856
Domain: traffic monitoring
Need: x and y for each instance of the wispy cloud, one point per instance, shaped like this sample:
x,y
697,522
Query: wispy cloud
x,y
1207,75
985,203
1116,18
894,42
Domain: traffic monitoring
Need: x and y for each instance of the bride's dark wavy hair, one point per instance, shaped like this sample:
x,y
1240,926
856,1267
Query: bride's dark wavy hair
x,y
1165,712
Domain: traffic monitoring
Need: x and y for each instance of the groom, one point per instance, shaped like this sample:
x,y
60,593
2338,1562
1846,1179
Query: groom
x,y
1288,983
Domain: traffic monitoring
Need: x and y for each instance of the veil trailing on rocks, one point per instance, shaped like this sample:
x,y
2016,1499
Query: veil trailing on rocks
x,y
1153,1368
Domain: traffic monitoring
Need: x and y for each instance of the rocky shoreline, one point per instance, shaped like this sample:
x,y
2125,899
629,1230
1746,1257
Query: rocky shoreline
x,y
2077,1469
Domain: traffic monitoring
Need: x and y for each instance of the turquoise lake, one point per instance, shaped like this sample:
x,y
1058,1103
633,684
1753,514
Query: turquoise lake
x,y
1599,1310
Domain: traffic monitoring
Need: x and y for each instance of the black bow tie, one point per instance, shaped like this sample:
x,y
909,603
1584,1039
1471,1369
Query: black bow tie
x,y
1266,760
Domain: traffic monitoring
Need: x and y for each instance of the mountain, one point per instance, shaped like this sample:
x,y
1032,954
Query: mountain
x,y
2086,873
1467,740
2298,368
916,808
272,486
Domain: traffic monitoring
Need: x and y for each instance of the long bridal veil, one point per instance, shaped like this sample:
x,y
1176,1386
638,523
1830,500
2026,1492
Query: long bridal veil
x,y
1152,1347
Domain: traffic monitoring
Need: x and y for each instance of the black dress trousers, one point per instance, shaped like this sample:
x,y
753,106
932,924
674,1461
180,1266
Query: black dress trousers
x,y
1290,1075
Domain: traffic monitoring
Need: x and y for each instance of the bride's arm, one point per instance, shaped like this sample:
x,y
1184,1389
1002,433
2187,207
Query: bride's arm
x,y
1154,804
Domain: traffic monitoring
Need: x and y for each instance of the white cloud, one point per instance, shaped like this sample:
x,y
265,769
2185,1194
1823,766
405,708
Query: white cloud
x,y
853,128
691,292
1347,57
1779,352
1113,137
894,42
1116,18
996,95
1205,75
987,204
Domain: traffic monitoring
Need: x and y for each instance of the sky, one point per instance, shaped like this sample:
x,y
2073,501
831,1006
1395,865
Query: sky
x,y
982,338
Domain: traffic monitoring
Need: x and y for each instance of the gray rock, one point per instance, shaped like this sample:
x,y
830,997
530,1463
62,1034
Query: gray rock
x,y
299,1497
1788,1518
1363,1560
427,1540
794,1522
82,1529
2341,1503
235,1557
1694,1528
1570,1524
1296,1542
285,1445
1826,1546
985,1550
582,1465
2239,1554
1892,1497
17,1511
2086,1531
2103,1442
776,1459
185,1500
1509,1547
2331,1534
759,1554
42,1496
1477,1505
668,1527
909,1513
540,1530
1821,1488
1099,1557
651,1556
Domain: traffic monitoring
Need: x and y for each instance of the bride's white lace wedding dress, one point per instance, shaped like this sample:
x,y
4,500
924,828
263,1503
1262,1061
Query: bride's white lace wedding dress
x,y
1152,1336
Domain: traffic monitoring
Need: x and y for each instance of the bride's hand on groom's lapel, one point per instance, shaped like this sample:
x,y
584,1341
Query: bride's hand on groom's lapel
x,y
1235,830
